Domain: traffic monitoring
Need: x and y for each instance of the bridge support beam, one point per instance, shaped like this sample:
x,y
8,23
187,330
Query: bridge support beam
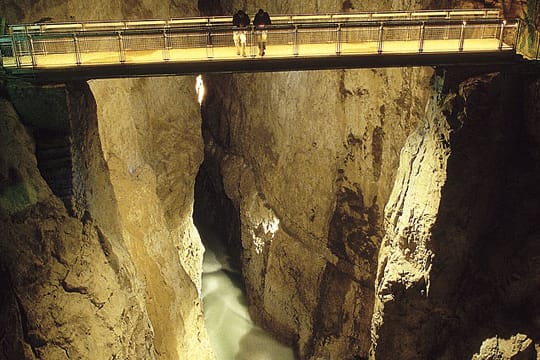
x,y
338,40
295,41
209,45
15,51
166,46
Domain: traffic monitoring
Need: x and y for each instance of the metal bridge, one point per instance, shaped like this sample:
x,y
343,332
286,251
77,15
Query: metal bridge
x,y
106,49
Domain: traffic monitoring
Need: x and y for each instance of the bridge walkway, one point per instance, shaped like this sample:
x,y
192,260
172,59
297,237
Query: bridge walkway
x,y
60,51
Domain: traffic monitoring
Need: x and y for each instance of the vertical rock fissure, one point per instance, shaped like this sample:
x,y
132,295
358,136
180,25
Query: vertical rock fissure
x,y
213,210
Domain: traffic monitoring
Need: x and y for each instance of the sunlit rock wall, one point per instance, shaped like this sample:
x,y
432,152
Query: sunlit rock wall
x,y
309,160
118,274
69,288
459,260
153,147
119,271
310,169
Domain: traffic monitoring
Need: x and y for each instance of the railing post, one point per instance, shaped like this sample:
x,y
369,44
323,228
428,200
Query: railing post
x,y
252,51
209,45
32,53
252,41
121,49
338,40
15,51
501,37
462,36
295,41
166,46
380,43
422,34
77,49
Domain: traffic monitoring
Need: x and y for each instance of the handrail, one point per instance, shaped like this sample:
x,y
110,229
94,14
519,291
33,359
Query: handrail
x,y
456,14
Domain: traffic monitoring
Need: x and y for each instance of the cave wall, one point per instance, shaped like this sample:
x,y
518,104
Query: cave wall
x,y
63,278
126,240
458,256
113,271
309,160
310,185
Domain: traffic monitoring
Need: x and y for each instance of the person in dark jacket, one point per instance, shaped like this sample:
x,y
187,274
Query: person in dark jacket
x,y
240,22
261,21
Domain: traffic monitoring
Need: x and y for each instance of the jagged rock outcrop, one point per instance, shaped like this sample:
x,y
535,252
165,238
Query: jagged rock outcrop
x,y
119,274
68,288
458,264
517,347
309,170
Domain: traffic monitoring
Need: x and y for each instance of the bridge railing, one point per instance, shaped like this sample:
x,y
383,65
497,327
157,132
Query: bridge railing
x,y
99,45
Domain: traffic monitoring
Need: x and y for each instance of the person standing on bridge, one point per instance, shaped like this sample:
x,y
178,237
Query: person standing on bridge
x,y
240,22
261,21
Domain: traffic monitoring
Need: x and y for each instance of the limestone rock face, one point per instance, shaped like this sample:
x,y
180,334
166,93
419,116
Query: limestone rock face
x,y
69,290
153,151
458,216
28,11
310,169
117,273
308,159
517,347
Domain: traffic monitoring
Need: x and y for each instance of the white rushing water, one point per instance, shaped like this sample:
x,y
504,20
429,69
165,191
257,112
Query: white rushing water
x,y
232,333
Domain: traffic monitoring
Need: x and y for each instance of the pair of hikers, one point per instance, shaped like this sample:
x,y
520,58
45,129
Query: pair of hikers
x,y
241,22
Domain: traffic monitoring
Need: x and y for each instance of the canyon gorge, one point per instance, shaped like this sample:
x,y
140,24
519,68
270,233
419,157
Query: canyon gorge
x,y
372,214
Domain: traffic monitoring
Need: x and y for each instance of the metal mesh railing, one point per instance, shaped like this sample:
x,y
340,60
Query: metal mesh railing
x,y
188,41
53,46
96,44
450,32
281,37
319,36
357,35
144,42
221,39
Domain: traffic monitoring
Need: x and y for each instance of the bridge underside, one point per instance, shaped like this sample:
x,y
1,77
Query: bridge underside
x,y
62,74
